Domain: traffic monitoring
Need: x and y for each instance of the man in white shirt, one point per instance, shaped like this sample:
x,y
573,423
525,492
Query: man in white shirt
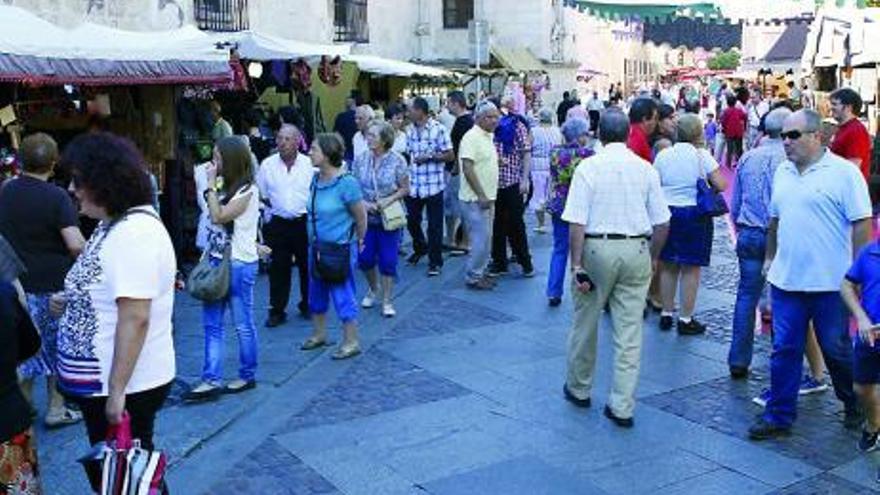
x,y
756,109
594,108
618,223
363,115
284,180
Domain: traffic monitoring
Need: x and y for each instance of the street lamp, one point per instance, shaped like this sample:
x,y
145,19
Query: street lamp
x,y
763,73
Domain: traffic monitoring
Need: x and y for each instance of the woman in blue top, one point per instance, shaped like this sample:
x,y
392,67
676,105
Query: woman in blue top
x,y
336,215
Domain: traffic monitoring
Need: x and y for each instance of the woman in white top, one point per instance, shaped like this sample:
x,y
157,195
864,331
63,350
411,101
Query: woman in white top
x,y
396,115
689,245
115,348
545,137
234,223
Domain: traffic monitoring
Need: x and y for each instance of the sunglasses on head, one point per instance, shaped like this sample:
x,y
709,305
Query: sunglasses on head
x,y
793,135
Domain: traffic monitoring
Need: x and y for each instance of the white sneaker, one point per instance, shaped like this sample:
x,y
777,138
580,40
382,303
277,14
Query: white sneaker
x,y
369,300
388,311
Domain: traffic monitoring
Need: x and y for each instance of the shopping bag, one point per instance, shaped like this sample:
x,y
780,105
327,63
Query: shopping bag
x,y
128,468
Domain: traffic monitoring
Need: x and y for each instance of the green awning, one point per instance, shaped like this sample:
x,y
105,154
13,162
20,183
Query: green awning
x,y
653,10
517,59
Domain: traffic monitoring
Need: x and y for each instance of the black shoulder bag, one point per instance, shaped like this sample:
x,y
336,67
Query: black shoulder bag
x,y
332,261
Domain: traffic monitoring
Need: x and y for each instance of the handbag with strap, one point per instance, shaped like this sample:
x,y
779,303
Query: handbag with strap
x,y
209,281
710,202
393,214
332,261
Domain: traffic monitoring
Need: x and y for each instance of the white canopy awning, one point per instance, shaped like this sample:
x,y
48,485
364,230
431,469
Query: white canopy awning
x,y
391,67
252,45
35,50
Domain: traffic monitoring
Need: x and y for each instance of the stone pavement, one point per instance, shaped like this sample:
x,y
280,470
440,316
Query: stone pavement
x,y
461,394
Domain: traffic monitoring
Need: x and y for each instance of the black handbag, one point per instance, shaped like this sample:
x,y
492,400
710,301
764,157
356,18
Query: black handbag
x,y
332,261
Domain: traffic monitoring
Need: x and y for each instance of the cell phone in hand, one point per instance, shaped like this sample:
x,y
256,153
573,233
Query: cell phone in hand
x,y
583,278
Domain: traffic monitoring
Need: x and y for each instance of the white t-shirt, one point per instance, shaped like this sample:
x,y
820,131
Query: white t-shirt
x,y
679,168
134,259
244,236
359,144
201,180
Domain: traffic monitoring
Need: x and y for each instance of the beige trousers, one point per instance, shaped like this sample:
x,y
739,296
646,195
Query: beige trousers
x,y
621,272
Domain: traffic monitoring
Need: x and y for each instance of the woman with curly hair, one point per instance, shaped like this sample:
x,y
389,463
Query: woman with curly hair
x,y
563,161
115,350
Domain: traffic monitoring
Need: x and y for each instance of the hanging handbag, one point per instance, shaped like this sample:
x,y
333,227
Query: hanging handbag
x,y
332,261
710,202
209,281
393,214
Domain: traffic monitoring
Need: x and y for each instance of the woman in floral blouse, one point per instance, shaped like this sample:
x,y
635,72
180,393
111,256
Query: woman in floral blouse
x,y
563,161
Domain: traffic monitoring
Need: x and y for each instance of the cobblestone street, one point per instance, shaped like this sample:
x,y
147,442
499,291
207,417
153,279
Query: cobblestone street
x,y
461,394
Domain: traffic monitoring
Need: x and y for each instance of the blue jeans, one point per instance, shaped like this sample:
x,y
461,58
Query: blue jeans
x,y
751,245
241,302
559,258
792,311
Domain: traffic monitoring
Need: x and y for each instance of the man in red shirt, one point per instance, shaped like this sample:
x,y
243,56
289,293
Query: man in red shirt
x,y
851,140
643,118
733,124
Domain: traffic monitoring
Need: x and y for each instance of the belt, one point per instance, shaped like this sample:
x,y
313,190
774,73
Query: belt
x,y
294,219
616,237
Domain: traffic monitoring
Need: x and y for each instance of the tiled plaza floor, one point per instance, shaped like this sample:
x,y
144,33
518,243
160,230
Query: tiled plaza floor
x,y
461,394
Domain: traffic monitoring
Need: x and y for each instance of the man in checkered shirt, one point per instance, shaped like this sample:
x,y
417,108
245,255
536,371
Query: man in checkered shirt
x,y
514,145
429,148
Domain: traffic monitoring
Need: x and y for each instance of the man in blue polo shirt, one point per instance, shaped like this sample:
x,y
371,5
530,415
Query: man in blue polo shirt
x,y
820,215
864,277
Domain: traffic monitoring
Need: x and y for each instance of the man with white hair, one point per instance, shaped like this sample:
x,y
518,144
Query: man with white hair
x,y
750,212
820,215
284,180
363,115
479,189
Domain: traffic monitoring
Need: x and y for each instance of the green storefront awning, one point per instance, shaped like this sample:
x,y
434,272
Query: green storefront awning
x,y
647,10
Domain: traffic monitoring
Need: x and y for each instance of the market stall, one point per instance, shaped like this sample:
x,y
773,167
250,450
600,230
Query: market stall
x,y
68,81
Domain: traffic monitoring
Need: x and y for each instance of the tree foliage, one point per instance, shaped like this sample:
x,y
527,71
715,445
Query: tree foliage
x,y
724,60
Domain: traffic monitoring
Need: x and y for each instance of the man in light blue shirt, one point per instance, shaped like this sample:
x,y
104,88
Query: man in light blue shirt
x,y
820,215
750,212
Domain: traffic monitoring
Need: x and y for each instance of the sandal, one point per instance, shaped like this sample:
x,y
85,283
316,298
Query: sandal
x,y
343,353
63,418
312,343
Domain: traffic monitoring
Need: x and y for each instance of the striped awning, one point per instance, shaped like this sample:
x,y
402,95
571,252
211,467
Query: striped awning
x,y
647,10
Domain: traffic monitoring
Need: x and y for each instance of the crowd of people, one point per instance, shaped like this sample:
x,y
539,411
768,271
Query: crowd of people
x,y
624,184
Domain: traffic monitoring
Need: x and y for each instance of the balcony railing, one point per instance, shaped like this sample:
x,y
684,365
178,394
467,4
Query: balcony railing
x,y
350,21
221,15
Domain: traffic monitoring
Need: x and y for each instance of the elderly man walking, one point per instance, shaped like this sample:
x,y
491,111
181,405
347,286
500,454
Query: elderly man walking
x,y
618,221
429,147
284,179
479,162
820,215
749,210
514,145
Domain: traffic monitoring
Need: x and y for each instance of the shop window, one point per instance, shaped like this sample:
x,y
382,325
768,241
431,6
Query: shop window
x,y
457,13
350,21
221,15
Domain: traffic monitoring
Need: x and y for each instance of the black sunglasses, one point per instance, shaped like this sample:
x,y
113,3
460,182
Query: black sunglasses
x,y
794,135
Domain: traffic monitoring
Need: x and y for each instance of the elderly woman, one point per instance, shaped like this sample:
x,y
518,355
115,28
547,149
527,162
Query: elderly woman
x,y
115,349
689,245
18,453
234,221
336,215
563,161
384,179
545,137
363,115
